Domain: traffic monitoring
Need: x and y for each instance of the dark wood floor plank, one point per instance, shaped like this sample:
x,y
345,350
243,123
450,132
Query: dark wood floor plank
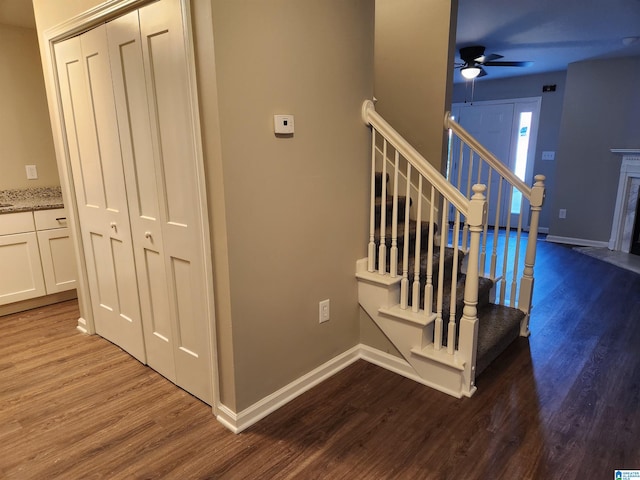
x,y
560,404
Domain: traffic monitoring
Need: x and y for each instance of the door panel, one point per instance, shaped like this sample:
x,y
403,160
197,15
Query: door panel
x,y
173,135
96,164
125,51
157,137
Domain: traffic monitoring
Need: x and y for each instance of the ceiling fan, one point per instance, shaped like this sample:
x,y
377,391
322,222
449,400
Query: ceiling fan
x,y
474,59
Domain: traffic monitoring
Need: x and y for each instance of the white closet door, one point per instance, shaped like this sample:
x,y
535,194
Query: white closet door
x,y
158,143
96,164
130,91
174,141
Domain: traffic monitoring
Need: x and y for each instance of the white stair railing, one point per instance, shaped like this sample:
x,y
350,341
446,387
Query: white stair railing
x,y
503,186
423,291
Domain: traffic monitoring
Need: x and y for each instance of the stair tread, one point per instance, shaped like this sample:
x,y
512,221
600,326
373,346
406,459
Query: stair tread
x,y
498,327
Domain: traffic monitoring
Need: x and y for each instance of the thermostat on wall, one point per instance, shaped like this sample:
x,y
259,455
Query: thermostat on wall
x,y
283,124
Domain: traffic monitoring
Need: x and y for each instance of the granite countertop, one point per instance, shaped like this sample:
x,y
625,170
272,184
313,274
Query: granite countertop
x,y
29,199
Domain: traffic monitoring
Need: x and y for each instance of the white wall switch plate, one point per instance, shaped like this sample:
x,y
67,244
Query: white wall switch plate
x,y
283,124
548,155
325,311
562,213
32,172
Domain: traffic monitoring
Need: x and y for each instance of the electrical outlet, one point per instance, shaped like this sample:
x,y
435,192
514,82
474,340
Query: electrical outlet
x,y
32,172
325,310
562,213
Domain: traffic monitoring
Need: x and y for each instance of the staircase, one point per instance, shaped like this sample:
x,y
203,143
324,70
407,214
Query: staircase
x,y
424,281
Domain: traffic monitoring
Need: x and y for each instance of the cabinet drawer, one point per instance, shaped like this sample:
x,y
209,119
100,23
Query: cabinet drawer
x,y
48,219
21,222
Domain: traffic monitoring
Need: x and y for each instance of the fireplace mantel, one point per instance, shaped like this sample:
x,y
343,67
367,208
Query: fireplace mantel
x,y
626,201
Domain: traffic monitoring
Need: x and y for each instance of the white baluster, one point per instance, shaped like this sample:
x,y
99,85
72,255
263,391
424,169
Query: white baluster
x,y
415,302
496,228
428,288
394,220
465,230
505,259
485,230
371,254
382,249
451,339
516,260
460,165
404,283
437,340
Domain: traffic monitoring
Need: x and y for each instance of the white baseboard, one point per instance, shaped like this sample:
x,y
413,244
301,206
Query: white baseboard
x,y
544,230
582,242
237,422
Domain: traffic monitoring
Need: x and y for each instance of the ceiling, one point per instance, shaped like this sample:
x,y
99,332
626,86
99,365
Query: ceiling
x,y
551,33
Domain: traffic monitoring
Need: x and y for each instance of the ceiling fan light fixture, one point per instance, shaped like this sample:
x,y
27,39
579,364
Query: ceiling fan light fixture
x,y
470,72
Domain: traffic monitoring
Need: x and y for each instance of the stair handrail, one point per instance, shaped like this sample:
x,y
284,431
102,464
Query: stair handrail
x,y
439,181
490,158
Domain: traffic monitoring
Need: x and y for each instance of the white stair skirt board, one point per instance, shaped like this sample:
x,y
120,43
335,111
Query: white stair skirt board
x,y
378,295
583,242
237,422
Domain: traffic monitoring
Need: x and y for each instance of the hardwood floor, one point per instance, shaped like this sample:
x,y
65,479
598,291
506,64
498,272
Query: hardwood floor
x,y
562,404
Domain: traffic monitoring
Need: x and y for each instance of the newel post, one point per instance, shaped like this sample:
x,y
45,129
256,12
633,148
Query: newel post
x,y
468,341
526,282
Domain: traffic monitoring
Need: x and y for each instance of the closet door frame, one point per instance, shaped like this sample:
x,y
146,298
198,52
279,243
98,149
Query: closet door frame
x,y
85,21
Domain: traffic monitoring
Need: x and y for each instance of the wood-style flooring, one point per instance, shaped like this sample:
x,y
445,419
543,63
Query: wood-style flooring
x,y
563,404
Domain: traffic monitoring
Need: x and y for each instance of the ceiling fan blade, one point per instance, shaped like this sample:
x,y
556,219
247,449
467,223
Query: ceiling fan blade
x,y
508,64
488,58
482,72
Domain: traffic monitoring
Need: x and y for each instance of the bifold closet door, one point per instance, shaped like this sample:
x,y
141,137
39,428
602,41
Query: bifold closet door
x,y
94,149
157,135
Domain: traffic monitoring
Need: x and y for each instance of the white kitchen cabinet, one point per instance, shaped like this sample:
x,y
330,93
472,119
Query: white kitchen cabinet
x,y
36,255
56,250
20,268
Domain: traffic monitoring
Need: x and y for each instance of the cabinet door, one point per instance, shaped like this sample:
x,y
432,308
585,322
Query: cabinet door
x,y
58,260
148,59
96,164
21,277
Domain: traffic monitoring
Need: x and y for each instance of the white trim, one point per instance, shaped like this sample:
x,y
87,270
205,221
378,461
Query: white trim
x,y
238,422
583,242
544,230
622,226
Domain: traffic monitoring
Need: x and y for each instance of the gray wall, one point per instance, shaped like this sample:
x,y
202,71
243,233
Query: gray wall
x,y
600,112
550,115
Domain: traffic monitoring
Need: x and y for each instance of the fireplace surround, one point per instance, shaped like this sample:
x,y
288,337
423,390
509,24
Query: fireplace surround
x,y
624,216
